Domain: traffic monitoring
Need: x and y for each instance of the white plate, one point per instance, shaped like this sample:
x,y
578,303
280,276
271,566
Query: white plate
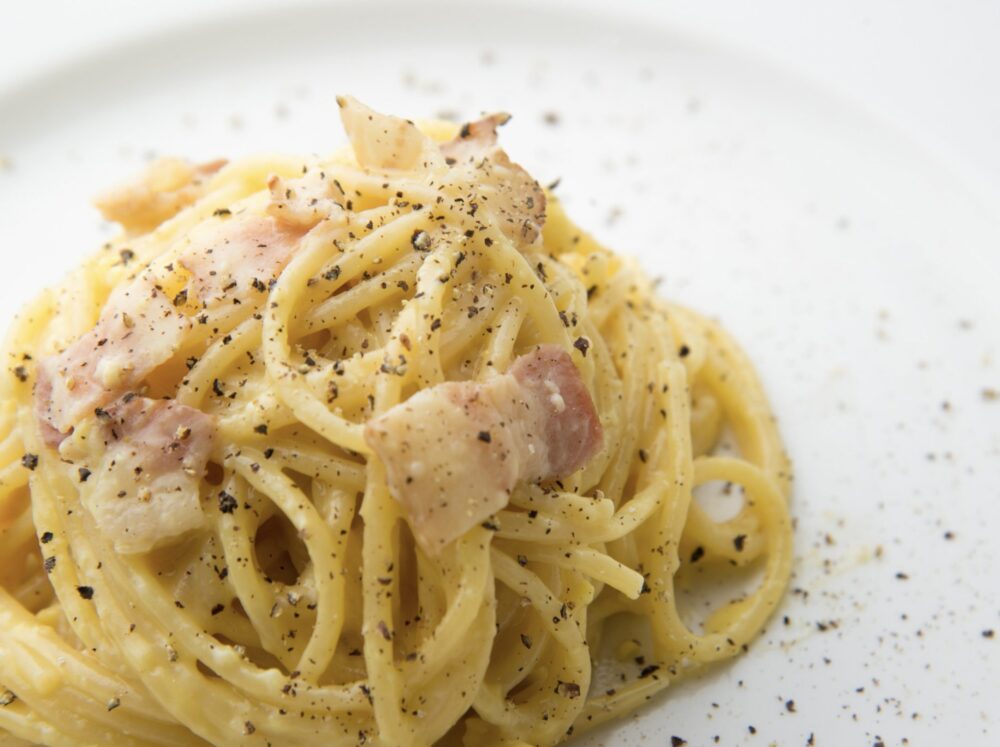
x,y
859,274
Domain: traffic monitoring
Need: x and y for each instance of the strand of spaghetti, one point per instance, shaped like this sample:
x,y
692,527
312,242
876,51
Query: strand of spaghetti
x,y
625,699
622,331
498,353
505,257
378,631
101,706
706,420
737,540
426,306
465,592
318,464
586,560
569,672
344,305
356,255
28,728
219,356
277,321
730,376
236,531
574,508
253,467
519,660
744,617
549,530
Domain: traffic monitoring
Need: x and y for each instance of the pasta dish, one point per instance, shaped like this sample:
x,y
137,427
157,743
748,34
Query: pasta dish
x,y
377,448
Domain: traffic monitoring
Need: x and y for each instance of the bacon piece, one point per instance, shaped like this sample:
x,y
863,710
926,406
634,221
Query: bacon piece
x,y
238,258
144,463
167,186
454,452
500,186
381,141
509,192
572,429
138,330
475,140
302,203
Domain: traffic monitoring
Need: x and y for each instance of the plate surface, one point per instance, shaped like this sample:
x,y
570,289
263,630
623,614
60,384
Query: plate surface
x,y
858,273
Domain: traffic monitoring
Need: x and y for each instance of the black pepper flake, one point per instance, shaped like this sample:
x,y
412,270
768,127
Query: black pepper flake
x,y
484,436
46,538
384,630
648,670
49,563
332,274
420,240
738,541
181,298
465,131
902,576
227,503
21,373
583,345
127,256
222,212
643,456
435,325
217,388
261,429
569,690
249,728
988,633
84,474
85,592
697,554
29,461
677,741
492,526
526,640
522,560
684,351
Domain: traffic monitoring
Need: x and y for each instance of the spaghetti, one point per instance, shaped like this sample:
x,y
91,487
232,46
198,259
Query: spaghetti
x,y
200,545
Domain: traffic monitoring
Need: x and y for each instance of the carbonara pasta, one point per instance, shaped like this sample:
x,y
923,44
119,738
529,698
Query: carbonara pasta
x,y
372,449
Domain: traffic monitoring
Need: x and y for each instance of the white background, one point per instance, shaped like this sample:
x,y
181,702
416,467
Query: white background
x,y
824,179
